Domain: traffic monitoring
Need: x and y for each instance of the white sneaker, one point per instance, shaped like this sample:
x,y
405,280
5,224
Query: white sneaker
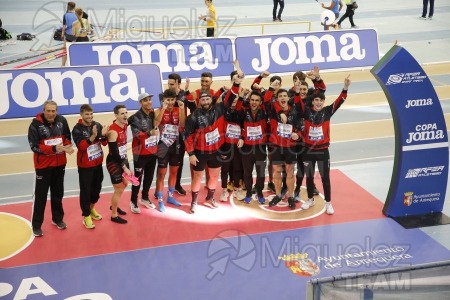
x,y
238,195
135,209
147,203
308,203
329,207
224,196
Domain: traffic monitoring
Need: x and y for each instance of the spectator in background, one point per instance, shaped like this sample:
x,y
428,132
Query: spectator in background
x,y
81,27
349,12
277,17
425,8
210,18
335,6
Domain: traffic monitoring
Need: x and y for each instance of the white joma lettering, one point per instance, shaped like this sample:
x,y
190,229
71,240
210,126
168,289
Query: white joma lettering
x,y
269,49
425,132
121,82
418,102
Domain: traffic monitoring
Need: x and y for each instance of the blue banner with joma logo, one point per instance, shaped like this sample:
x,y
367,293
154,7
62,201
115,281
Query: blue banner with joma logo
x,y
189,58
103,87
303,51
419,178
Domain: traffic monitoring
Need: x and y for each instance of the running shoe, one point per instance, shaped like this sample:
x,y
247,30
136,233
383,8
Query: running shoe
x,y
87,222
37,232
211,203
60,225
95,215
147,203
135,208
308,203
274,201
329,208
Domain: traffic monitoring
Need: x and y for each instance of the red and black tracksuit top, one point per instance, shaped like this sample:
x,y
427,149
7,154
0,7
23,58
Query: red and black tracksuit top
x,y
317,124
254,126
90,154
141,124
204,129
278,136
43,138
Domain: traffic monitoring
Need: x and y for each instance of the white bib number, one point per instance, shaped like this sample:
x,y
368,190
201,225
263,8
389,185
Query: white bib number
x,y
315,133
123,151
284,130
212,137
151,141
233,131
53,142
94,151
169,134
254,133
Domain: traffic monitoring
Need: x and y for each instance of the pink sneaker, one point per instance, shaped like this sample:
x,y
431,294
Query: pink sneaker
x,y
131,178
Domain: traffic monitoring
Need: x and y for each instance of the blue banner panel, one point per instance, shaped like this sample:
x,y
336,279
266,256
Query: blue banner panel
x,y
189,58
419,178
103,87
303,51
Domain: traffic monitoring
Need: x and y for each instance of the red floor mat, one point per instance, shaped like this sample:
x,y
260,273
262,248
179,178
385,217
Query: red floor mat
x,y
153,229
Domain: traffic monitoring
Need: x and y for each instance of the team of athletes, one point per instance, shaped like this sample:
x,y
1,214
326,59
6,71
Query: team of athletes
x,y
229,132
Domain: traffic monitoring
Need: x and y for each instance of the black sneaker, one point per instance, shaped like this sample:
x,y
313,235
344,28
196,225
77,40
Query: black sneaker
x,y
271,187
119,220
291,202
60,225
316,192
180,190
119,211
37,232
274,201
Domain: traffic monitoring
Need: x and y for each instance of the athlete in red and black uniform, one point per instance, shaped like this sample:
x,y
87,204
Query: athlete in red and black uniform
x,y
229,154
285,129
317,140
252,144
117,159
306,95
89,136
144,145
203,137
256,85
49,138
170,120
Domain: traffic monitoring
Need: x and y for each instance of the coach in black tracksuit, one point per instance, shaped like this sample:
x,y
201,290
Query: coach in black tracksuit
x,y
50,139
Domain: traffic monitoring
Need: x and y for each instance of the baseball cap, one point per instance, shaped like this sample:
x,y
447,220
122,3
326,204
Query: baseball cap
x,y
143,95
205,94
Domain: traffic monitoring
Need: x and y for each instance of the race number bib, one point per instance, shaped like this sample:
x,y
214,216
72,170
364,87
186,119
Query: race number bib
x,y
315,133
284,130
123,151
233,131
212,137
151,141
94,151
53,142
169,134
254,133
